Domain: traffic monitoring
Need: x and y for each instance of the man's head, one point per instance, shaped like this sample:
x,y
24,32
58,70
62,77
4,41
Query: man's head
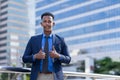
x,y
47,21
47,14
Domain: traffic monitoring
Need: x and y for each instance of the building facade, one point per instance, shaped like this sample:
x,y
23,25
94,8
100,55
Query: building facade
x,y
13,31
88,26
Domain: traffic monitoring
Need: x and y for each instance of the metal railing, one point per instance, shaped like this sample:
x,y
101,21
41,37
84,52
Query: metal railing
x,y
93,76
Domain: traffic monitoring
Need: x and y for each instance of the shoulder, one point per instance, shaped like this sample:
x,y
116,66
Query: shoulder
x,y
35,37
58,36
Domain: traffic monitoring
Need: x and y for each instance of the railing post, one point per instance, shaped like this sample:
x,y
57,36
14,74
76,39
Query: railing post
x,y
9,76
93,78
65,77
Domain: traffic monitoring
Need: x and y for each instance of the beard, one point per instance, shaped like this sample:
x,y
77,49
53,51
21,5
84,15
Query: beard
x,y
47,29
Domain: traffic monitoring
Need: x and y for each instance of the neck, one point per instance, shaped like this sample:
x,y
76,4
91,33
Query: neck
x,y
47,33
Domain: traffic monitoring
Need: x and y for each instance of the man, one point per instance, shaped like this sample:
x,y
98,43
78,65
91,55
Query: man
x,y
46,52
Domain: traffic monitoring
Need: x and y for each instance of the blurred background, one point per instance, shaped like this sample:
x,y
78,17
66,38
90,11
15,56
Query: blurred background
x,y
91,29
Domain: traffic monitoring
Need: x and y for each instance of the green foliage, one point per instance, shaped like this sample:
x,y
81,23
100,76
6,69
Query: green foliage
x,y
4,76
7,76
81,68
107,66
103,66
27,76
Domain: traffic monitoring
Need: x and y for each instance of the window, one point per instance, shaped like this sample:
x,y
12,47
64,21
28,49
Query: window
x,y
14,43
3,38
3,19
3,57
3,1
5,6
14,37
3,51
3,13
4,44
4,25
2,32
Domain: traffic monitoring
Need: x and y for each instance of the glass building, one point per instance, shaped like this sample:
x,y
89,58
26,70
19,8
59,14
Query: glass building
x,y
88,26
13,31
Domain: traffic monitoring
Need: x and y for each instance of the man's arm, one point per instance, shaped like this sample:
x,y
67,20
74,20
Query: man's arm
x,y
64,56
28,57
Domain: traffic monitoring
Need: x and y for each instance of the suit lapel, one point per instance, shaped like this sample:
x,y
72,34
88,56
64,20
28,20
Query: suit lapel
x,y
40,41
54,39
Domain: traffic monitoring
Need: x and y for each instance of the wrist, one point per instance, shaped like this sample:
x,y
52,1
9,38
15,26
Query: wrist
x,y
58,55
35,56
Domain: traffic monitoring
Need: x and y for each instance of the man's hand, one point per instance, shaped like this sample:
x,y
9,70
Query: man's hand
x,y
54,54
40,55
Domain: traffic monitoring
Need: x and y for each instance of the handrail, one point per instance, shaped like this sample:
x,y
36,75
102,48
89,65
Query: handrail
x,y
10,69
21,70
91,75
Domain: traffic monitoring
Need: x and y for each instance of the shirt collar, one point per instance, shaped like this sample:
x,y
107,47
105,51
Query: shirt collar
x,y
49,35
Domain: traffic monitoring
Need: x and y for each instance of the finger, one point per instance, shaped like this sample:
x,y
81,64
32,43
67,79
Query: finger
x,y
40,51
51,54
53,48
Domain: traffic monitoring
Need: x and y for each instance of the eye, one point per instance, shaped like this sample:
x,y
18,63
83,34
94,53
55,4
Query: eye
x,y
44,21
49,21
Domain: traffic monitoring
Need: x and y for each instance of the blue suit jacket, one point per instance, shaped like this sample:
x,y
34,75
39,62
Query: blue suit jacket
x,y
33,47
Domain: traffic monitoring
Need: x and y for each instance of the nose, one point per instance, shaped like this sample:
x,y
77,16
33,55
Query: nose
x,y
47,23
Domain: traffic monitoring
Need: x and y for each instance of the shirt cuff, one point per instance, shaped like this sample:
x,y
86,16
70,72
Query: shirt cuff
x,y
33,57
60,58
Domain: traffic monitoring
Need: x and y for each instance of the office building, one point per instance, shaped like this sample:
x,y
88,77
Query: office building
x,y
90,27
13,31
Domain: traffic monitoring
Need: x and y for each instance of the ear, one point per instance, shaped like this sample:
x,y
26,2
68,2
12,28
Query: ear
x,y
41,24
53,23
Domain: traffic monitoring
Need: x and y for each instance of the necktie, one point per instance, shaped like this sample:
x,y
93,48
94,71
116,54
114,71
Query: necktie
x,y
45,61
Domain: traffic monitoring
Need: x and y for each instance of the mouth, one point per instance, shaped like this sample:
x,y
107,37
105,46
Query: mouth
x,y
48,26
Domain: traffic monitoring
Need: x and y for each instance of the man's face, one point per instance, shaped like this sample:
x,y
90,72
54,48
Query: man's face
x,y
47,23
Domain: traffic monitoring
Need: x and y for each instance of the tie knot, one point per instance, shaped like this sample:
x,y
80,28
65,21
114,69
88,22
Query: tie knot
x,y
47,36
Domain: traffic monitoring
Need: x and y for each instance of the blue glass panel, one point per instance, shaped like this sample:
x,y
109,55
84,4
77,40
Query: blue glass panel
x,y
37,22
18,25
59,6
90,18
95,38
44,3
21,1
23,38
91,29
108,48
16,6
18,31
18,19
23,45
22,51
18,13
85,9
38,31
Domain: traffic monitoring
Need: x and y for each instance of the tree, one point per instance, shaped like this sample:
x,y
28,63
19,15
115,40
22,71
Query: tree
x,y
4,76
104,66
107,66
81,67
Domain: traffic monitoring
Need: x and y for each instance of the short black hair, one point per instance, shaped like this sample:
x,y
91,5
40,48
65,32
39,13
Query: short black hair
x,y
47,14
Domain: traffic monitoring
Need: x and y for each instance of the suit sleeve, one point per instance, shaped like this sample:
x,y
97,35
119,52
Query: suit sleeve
x,y
64,56
28,57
